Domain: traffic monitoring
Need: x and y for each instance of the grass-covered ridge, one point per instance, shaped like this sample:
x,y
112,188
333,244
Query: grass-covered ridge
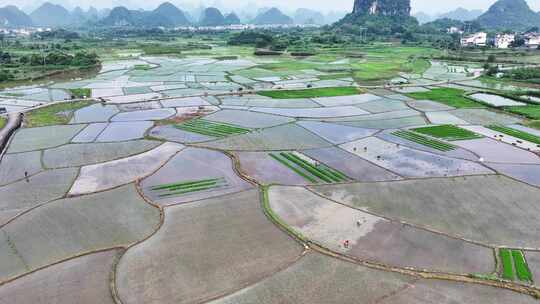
x,y
55,114
448,96
447,132
312,93
3,122
81,93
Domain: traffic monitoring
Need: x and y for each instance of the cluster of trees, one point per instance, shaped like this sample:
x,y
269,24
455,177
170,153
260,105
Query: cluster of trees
x,y
524,74
80,59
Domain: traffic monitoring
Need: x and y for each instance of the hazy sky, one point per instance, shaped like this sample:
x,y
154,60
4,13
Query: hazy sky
x,y
429,6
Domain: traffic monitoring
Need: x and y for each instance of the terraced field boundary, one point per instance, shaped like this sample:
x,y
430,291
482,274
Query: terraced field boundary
x,y
312,173
514,264
516,133
424,140
447,132
210,128
175,189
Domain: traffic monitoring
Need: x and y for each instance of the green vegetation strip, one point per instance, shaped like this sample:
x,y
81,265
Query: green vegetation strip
x,y
423,140
506,259
268,210
3,122
529,111
447,132
81,93
188,187
312,93
56,114
516,133
293,168
522,270
451,97
211,128
308,170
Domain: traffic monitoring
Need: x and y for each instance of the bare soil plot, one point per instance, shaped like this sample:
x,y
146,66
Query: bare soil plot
x,y
248,119
193,165
409,162
74,155
446,292
351,165
318,279
13,166
203,250
122,131
139,106
43,137
533,261
103,176
40,188
73,226
155,114
335,133
94,113
487,209
83,280
373,238
286,137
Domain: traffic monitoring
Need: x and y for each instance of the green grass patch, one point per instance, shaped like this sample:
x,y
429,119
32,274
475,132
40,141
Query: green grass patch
x,y
175,189
3,122
210,128
312,93
81,93
311,172
448,96
425,141
522,270
507,265
334,76
533,124
56,114
516,133
529,111
447,132
142,67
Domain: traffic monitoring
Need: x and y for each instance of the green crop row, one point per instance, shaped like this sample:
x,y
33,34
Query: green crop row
x,y
514,260
174,189
516,133
423,140
211,128
447,132
309,171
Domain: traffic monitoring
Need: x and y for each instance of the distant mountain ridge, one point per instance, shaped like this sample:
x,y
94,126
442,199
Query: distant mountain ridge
x,y
166,15
461,14
273,16
53,15
510,14
11,16
212,16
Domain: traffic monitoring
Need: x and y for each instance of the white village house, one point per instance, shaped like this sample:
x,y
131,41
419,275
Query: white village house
x,y
532,40
503,41
476,39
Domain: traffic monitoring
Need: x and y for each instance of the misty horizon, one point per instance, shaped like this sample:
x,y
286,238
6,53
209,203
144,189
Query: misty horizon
x,y
425,6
